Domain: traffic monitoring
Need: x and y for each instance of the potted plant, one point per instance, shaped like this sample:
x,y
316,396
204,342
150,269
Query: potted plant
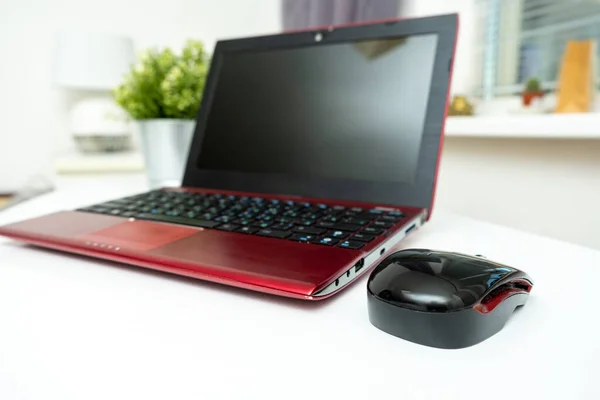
x,y
162,93
533,90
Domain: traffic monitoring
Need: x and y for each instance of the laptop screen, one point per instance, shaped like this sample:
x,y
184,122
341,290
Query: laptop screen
x,y
352,111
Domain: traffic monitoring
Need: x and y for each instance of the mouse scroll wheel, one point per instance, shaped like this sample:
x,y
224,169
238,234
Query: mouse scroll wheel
x,y
480,256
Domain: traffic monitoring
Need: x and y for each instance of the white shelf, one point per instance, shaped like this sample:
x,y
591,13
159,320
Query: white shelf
x,y
77,163
532,126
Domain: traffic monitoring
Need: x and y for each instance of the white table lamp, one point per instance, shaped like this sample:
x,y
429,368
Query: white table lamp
x,y
94,64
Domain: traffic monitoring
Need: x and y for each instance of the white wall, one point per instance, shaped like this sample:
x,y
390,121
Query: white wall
x,y
33,111
550,187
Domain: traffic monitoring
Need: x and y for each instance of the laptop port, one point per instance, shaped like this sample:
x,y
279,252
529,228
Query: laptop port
x,y
410,228
359,265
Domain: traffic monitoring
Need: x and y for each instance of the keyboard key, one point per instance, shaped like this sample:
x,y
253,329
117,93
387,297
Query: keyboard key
x,y
338,234
325,241
326,224
392,216
284,220
265,218
356,209
274,233
212,210
308,230
362,237
372,231
335,210
302,237
356,221
96,209
396,214
272,211
262,224
113,204
310,216
382,224
179,220
351,244
247,229
339,226
333,218
362,215
375,211
228,227
243,222
305,222
282,227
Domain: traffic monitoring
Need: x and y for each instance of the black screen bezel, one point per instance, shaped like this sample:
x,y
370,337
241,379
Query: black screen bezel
x,y
419,193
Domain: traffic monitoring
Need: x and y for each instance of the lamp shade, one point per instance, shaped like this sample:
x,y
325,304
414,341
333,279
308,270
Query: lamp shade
x,y
92,61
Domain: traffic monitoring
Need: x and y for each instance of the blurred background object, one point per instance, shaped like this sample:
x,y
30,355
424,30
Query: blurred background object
x,y
34,187
162,93
460,106
577,83
301,14
90,65
533,90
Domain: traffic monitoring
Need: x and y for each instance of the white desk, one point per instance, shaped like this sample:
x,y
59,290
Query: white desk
x,y
76,328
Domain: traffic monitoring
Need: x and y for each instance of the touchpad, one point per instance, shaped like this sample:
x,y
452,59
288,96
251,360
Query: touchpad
x,y
139,235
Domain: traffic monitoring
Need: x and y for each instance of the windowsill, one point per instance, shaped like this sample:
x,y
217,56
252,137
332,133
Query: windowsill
x,y
532,126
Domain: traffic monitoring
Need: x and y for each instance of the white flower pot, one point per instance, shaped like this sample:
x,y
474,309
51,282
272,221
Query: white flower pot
x,y
165,146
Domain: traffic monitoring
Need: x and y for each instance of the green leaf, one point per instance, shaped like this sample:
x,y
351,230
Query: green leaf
x,y
165,85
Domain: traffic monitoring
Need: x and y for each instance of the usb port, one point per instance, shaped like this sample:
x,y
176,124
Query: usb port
x,y
410,228
359,265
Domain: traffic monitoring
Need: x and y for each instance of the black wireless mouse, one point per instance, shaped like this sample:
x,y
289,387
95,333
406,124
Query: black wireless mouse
x,y
443,299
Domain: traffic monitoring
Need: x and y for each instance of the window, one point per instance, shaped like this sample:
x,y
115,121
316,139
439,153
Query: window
x,y
527,38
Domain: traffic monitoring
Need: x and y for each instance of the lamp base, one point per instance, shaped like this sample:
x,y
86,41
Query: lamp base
x,y
102,144
98,125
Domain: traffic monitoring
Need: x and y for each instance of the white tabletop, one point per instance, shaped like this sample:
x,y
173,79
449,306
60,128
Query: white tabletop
x,y
77,328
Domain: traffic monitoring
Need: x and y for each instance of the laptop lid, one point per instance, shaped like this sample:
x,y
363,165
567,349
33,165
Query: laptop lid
x,y
352,113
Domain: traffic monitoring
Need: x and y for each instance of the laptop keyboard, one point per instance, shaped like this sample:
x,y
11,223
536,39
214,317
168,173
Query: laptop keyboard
x,y
315,223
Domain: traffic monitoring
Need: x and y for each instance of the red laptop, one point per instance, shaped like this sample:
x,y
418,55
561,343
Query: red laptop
x,y
314,153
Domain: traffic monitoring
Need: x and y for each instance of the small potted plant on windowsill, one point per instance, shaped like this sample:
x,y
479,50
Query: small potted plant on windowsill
x,y
162,93
533,90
